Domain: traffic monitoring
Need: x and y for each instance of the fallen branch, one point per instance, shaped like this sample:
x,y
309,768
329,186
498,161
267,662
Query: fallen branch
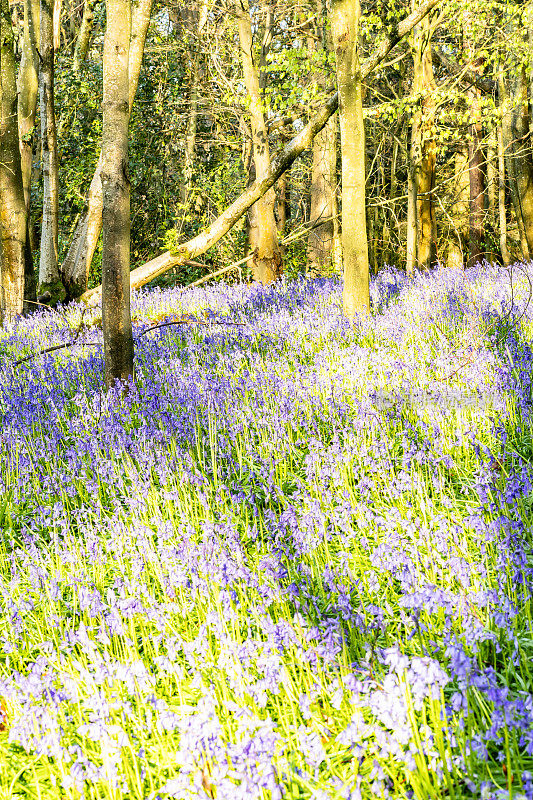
x,y
74,343
189,321
301,142
55,347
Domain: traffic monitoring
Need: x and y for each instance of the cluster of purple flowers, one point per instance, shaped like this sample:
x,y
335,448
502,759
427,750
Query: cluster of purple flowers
x,y
249,578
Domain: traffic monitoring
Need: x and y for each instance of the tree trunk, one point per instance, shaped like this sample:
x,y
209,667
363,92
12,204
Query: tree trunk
x,y
502,210
460,210
523,155
28,89
323,190
507,147
423,145
303,140
283,204
266,263
477,250
192,118
84,36
492,177
411,215
50,288
116,316
12,206
77,263
320,244
345,16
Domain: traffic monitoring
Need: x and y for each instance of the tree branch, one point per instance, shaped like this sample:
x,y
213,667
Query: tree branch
x,y
466,74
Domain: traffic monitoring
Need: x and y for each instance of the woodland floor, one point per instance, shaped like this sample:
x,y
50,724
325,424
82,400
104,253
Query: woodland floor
x,y
294,561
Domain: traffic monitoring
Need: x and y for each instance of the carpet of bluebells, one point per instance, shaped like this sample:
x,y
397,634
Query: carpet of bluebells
x,y
293,561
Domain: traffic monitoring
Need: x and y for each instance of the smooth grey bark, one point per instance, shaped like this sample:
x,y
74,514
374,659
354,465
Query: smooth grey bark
x,y
508,146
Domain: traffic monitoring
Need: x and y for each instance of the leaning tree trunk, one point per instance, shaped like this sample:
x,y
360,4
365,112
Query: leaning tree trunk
x,y
345,16
12,206
116,315
28,89
266,262
77,263
50,287
423,146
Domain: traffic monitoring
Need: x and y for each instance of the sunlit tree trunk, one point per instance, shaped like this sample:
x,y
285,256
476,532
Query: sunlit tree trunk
x,y
423,147
199,19
477,249
77,263
28,89
457,247
412,213
116,316
321,241
321,244
507,148
12,205
345,16
492,191
502,210
283,205
266,262
84,35
50,287
523,155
